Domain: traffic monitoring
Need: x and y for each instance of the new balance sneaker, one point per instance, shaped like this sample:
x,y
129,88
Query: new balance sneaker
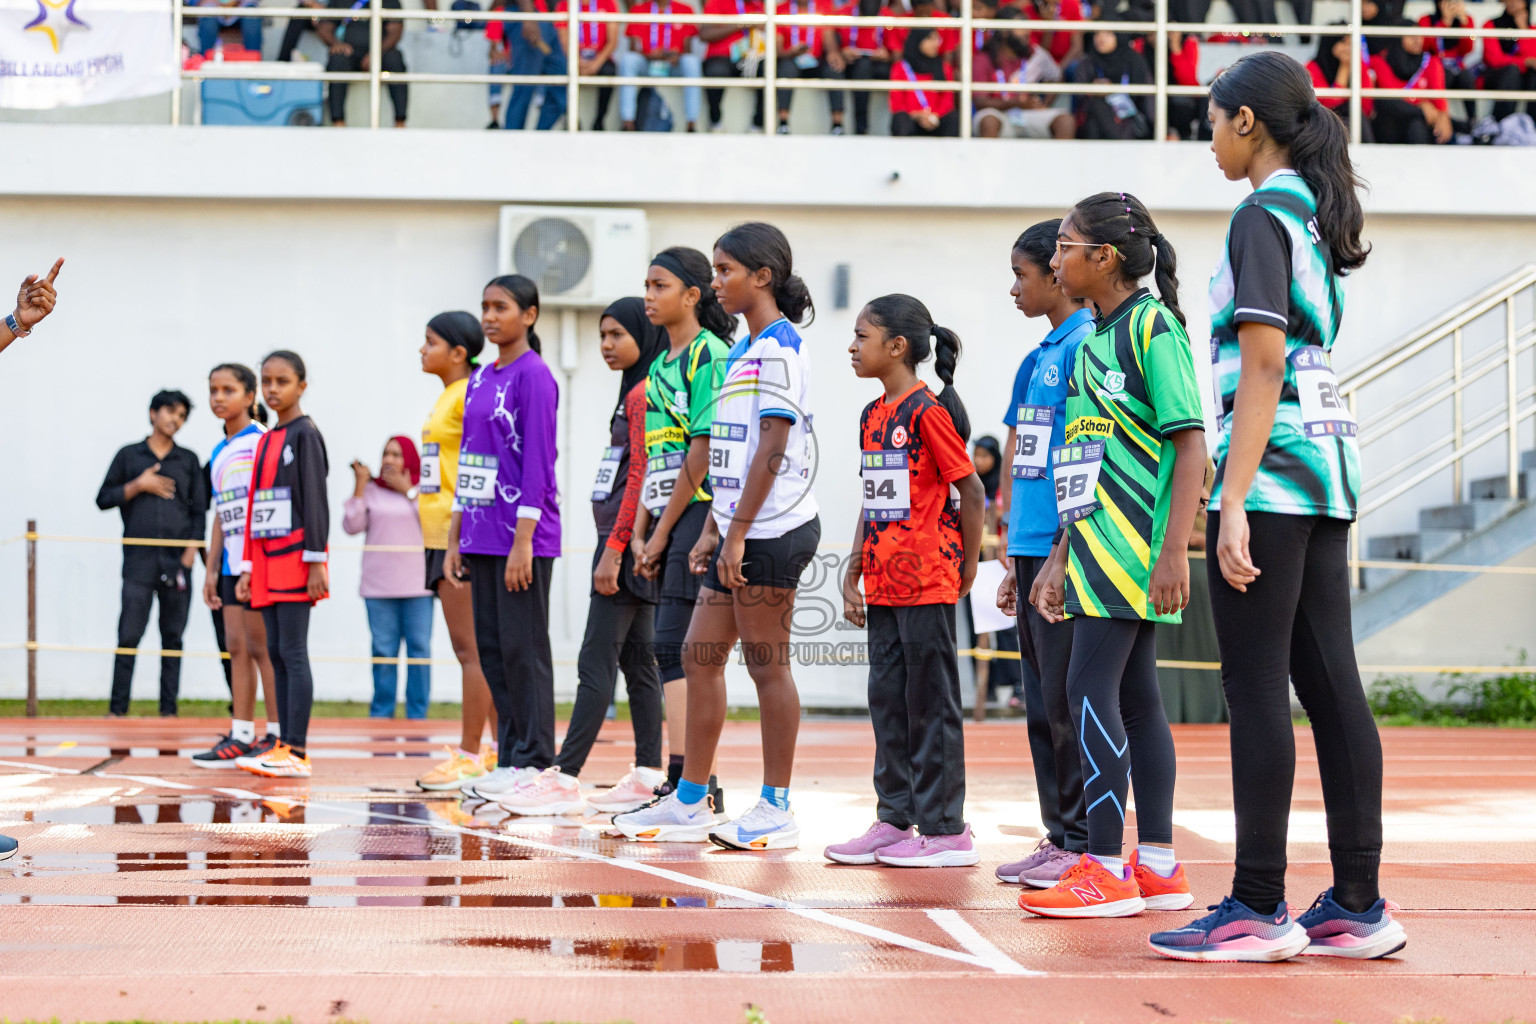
x,y
494,784
1014,872
668,820
636,789
862,849
1087,889
223,754
1234,931
452,773
952,851
550,792
263,747
8,847
1170,893
1333,931
282,763
1050,871
764,827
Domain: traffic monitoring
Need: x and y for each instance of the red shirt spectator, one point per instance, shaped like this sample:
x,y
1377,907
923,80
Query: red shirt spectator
x,y
1498,52
648,39
931,100
496,31
1058,44
949,38
793,37
594,34
1430,74
863,39
1324,69
1452,47
1184,60
723,47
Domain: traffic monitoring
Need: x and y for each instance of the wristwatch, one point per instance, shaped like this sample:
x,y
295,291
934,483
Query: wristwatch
x,y
14,326
412,493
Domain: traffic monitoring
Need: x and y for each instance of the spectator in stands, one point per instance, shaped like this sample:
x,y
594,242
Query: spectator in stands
x,y
1186,114
1110,60
1406,64
1509,63
536,50
660,50
1065,48
498,61
923,111
1452,50
984,10
1379,13
1331,68
949,39
733,51
1008,57
802,54
208,28
296,29
595,53
349,52
867,54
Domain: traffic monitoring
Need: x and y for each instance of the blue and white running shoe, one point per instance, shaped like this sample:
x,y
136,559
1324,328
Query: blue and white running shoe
x,y
1334,931
8,847
1234,932
668,820
764,827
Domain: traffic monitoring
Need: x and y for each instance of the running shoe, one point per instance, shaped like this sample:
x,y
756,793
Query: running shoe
x,y
550,792
636,789
452,773
488,756
263,747
1334,931
952,851
8,847
223,754
1014,872
502,780
669,820
1050,871
764,827
1234,931
1170,893
282,763
862,849
1088,889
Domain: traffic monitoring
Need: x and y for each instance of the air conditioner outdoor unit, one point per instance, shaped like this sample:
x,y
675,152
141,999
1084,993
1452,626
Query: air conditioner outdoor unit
x,y
580,257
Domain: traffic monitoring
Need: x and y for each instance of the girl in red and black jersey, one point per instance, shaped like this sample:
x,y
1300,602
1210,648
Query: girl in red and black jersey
x,y
284,572
916,552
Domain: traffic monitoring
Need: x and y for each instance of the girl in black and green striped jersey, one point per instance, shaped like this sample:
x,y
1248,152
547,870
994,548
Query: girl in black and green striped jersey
x,y
1129,475
1287,479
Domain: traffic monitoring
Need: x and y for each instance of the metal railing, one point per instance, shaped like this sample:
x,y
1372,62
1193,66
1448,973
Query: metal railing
x,y
770,20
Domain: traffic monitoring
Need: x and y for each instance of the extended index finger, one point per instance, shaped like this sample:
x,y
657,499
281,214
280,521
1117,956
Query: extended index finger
x,y
55,271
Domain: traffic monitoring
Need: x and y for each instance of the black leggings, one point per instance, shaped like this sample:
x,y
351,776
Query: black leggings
x,y
287,625
949,125
1401,123
866,69
788,71
512,632
621,631
1293,627
724,67
399,92
679,591
1047,648
1122,732
1507,78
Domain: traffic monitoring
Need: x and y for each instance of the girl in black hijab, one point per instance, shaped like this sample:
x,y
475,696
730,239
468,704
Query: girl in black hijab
x,y
1111,60
923,111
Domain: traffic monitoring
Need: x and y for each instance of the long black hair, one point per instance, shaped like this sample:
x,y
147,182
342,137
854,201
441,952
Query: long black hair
x,y
291,358
247,378
1279,92
1119,219
691,267
526,294
756,245
1038,244
902,316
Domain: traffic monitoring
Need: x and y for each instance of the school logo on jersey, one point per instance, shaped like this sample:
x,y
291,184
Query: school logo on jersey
x,y
287,455
899,436
1114,387
680,401
1052,376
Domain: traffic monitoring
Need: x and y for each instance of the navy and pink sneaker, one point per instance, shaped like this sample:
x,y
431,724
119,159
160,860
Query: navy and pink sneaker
x,y
1334,931
1234,932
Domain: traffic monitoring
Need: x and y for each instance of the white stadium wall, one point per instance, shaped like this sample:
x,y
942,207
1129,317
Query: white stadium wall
x,y
361,236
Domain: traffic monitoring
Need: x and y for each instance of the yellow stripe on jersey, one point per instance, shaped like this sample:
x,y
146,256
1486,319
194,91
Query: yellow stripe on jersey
x,y
1134,596
1132,537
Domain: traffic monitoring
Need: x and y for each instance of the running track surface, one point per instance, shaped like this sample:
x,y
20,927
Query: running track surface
x,y
146,888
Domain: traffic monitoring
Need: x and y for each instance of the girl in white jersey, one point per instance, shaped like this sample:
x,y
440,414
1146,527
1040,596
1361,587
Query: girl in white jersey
x,y
761,536
232,397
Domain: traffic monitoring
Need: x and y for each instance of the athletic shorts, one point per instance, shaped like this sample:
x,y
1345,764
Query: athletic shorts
x,y
227,592
435,575
772,561
677,582
1019,123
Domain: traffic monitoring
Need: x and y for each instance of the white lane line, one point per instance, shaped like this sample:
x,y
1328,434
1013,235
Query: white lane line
x,y
148,780
30,766
963,932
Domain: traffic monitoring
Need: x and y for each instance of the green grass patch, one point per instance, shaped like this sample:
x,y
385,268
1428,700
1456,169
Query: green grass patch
x,y
1456,700
220,709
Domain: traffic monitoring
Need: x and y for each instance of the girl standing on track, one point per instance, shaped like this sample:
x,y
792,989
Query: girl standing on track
x,y
1287,480
285,568
1128,476
232,397
453,344
762,535
917,556
505,530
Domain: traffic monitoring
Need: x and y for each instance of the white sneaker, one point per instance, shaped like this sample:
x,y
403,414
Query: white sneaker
x,y
764,827
633,791
502,780
669,820
550,792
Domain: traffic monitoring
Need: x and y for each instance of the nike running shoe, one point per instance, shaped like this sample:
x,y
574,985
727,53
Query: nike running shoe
x,y
636,789
1234,931
862,849
8,847
452,773
1088,889
502,780
223,754
1050,871
282,763
669,820
1014,872
550,792
764,827
1170,893
263,747
952,851
1334,931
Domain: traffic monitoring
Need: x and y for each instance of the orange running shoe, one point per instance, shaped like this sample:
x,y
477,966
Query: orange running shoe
x,y
1171,893
1088,889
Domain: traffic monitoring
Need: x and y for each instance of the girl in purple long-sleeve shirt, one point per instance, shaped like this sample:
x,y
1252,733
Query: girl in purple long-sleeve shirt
x,y
505,530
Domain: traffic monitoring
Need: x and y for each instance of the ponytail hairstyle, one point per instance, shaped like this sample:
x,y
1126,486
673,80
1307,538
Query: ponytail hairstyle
x,y
247,378
526,294
460,330
1118,219
1038,244
905,317
756,245
1279,92
291,358
692,268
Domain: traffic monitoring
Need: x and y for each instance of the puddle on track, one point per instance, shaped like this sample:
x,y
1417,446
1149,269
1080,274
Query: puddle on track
x,y
728,955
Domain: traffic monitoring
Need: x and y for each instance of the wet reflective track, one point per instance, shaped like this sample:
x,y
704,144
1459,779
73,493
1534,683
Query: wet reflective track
x,y
148,888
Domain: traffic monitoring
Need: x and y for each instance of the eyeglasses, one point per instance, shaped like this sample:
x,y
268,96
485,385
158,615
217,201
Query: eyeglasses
x,y
1090,245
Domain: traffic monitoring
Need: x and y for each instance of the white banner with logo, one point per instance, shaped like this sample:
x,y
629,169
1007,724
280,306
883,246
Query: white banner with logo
x,y
74,53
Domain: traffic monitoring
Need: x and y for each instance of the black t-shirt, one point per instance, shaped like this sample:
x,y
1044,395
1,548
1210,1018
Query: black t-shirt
x,y
1260,253
175,518
354,32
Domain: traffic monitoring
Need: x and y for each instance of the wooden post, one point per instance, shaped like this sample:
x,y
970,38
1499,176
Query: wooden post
x,y
31,618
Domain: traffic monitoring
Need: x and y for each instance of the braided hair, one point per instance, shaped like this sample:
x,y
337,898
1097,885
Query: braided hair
x,y
1120,220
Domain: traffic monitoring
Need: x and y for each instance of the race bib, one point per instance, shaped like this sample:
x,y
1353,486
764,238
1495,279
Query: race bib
x,y
660,478
1076,471
476,487
887,486
272,512
1032,441
607,473
727,454
431,470
229,506
1324,413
